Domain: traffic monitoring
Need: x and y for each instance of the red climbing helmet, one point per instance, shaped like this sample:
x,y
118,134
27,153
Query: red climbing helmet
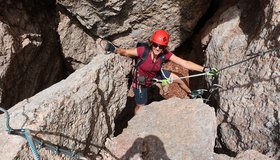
x,y
160,37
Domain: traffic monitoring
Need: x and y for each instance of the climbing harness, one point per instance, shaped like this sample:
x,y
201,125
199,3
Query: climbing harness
x,y
34,141
136,77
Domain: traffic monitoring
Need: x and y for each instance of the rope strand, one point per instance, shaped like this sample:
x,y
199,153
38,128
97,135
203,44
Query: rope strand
x,y
33,141
9,129
253,55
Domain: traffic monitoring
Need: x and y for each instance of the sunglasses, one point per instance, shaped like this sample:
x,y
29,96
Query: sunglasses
x,y
158,45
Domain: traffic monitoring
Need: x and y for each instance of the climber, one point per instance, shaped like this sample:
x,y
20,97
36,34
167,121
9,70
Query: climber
x,y
150,65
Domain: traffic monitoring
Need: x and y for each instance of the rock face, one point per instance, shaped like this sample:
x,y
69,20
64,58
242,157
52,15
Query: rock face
x,y
30,59
77,113
43,42
127,22
248,111
78,47
170,129
247,155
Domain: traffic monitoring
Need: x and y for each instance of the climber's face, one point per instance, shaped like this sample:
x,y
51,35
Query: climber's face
x,y
157,49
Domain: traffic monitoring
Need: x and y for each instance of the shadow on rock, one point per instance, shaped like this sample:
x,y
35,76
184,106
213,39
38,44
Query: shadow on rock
x,y
149,147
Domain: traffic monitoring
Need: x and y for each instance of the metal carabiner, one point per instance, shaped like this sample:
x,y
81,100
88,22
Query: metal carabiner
x,y
162,82
155,80
198,93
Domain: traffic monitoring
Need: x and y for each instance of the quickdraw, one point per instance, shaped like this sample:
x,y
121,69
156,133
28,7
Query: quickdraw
x,y
162,81
199,93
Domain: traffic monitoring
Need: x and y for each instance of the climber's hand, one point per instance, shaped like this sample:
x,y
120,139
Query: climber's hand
x,y
110,47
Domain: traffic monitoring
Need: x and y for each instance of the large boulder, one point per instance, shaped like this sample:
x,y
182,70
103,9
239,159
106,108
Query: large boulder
x,y
248,111
43,42
171,129
127,22
77,113
246,155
